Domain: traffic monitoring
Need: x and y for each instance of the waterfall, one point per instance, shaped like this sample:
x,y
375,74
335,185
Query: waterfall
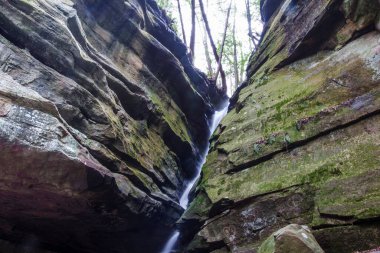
x,y
171,243
184,200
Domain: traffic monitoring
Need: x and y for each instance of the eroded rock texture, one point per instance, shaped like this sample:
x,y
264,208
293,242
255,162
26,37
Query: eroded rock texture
x,y
301,141
102,117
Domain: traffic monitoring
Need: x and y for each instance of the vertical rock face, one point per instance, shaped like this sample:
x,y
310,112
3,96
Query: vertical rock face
x,y
101,120
301,142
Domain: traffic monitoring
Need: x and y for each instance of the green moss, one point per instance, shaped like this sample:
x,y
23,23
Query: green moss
x,y
268,246
198,208
301,100
340,155
173,116
322,174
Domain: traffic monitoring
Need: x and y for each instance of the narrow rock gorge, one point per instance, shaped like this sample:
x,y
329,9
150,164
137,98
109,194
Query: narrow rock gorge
x,y
104,120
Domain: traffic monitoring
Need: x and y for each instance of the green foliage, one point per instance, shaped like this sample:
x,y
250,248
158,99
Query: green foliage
x,y
165,4
168,7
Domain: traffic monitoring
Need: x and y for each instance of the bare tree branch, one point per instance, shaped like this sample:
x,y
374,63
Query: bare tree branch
x,y
181,20
214,50
223,41
192,37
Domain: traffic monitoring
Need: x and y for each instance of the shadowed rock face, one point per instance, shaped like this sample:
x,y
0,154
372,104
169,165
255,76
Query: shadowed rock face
x,y
268,8
301,142
102,117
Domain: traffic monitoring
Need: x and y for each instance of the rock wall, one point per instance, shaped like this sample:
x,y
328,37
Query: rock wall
x,y
301,141
102,117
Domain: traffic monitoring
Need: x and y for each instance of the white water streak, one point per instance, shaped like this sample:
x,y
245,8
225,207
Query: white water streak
x,y
184,201
171,243
218,116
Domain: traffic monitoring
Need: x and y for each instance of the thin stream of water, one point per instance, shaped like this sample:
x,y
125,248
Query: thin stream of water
x,y
184,201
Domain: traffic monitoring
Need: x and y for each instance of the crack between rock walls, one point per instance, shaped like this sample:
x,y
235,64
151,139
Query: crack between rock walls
x,y
301,143
357,222
232,205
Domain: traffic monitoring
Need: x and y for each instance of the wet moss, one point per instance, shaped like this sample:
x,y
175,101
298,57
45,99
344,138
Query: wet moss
x,y
340,155
173,116
300,101
198,208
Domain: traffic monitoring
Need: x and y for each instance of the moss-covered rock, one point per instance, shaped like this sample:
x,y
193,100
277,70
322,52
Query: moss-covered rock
x,y
292,238
300,143
298,102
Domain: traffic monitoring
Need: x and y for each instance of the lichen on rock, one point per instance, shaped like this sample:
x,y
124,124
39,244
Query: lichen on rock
x,y
300,142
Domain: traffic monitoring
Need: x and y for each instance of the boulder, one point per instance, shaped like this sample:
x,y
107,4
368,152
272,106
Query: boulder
x,y
290,239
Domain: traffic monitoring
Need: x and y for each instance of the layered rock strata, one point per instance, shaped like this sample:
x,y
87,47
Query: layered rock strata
x,y
301,142
102,117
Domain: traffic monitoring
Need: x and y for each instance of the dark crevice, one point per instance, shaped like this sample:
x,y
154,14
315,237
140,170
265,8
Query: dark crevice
x,y
141,186
367,221
353,222
226,204
130,161
137,106
186,153
336,217
253,198
324,226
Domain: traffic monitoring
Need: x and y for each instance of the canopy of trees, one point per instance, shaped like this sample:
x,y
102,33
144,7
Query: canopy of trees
x,y
220,35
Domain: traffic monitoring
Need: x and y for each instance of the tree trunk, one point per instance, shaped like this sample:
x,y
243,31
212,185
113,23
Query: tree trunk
x,y
207,53
223,41
242,65
254,38
192,37
236,68
214,50
181,20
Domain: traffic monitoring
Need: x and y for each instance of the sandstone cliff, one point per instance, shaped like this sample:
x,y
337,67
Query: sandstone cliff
x,y
301,142
102,117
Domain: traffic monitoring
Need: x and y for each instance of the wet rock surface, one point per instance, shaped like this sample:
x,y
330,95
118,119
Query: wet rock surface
x,y
102,117
300,143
